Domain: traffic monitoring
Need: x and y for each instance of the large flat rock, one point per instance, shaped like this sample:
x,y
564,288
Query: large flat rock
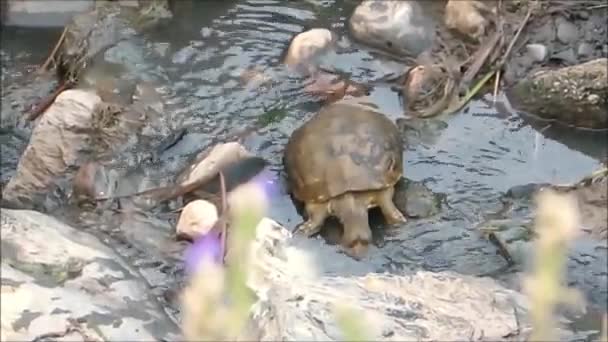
x,y
61,282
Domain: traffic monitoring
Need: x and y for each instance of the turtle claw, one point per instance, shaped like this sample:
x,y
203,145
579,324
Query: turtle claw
x,y
306,229
395,217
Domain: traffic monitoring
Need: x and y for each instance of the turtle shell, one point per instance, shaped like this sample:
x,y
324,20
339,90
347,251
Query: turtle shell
x,y
343,148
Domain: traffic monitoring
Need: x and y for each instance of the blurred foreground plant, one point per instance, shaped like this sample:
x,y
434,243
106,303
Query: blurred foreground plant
x,y
557,224
216,303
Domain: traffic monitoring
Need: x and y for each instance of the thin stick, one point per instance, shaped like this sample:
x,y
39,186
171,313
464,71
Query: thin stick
x,y
51,57
44,105
496,83
516,36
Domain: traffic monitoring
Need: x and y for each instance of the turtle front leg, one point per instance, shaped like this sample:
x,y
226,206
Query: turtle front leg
x,y
392,215
317,213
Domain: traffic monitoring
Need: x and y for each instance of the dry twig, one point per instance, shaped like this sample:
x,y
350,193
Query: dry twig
x,y
51,57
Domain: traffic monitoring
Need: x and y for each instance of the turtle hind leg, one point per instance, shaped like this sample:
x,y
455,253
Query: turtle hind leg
x,y
317,213
391,213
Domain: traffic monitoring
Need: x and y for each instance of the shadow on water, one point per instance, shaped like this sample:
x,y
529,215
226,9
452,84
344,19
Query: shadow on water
x,y
474,160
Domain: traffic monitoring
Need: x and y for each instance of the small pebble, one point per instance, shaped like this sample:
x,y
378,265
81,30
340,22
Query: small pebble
x,y
593,98
585,50
566,32
567,56
583,15
538,52
206,32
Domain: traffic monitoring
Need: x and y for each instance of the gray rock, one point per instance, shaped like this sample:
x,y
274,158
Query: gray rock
x,y
538,52
416,200
575,95
58,280
399,27
567,56
567,32
585,50
294,286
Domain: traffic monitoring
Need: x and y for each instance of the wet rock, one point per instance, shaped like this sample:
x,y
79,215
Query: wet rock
x,y
196,219
211,160
575,95
398,27
567,32
538,52
91,33
415,199
295,286
466,17
306,49
585,50
59,280
55,145
566,56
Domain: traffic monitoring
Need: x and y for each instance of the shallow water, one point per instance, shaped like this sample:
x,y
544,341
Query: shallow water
x,y
479,155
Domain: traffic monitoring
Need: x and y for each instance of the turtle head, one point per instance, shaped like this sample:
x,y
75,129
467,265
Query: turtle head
x,y
357,234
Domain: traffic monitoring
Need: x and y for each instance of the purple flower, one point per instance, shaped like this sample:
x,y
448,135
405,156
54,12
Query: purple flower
x,y
268,182
207,247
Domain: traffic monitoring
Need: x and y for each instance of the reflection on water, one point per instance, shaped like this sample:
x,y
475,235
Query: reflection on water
x,y
480,154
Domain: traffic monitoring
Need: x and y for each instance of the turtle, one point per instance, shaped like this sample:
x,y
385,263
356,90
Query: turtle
x,y
342,162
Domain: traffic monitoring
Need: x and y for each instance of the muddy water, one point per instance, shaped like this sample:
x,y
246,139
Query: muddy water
x,y
473,158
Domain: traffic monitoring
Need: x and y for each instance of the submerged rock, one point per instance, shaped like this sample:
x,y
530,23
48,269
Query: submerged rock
x,y
398,27
576,95
62,282
416,200
91,33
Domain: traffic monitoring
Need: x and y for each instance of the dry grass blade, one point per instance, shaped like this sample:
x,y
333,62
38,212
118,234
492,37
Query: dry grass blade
x,y
222,219
480,57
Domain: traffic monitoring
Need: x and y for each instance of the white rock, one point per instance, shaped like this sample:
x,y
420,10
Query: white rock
x,y
196,219
538,52
395,26
465,17
212,160
307,47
